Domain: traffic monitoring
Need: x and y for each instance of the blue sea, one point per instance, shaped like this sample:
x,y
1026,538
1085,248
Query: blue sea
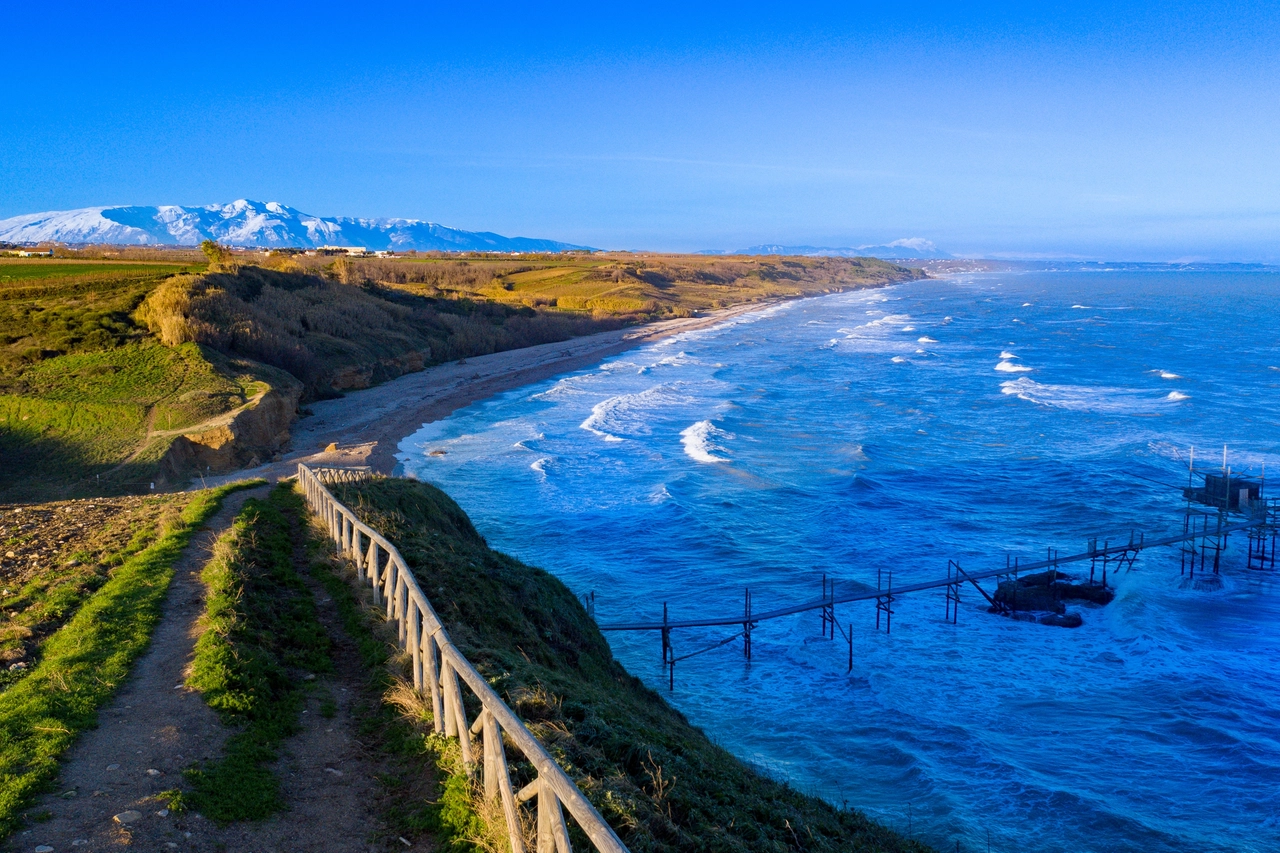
x,y
976,418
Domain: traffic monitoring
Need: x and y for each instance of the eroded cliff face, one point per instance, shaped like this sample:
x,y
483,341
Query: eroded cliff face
x,y
365,375
248,436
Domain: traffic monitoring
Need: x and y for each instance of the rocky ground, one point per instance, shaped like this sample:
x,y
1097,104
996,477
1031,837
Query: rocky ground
x,y
52,555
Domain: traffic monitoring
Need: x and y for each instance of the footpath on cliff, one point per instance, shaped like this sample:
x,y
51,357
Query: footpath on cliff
x,y
110,791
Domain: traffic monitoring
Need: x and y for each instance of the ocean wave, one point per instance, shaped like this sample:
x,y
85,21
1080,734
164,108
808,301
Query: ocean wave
x,y
699,442
1177,395
1007,354
627,414
908,328
897,359
873,335
1009,367
540,465
1089,398
1164,374
925,340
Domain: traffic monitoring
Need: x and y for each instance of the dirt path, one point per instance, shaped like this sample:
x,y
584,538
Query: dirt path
x,y
155,727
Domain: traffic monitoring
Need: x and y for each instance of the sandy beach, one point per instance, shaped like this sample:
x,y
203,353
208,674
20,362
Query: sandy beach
x,y
367,426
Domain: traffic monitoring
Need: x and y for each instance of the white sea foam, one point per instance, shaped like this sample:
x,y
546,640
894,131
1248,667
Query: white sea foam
x,y
1088,398
946,319
627,414
1026,305
897,359
925,340
1007,354
541,466
1080,306
908,328
1164,374
1010,367
874,335
699,442
1177,395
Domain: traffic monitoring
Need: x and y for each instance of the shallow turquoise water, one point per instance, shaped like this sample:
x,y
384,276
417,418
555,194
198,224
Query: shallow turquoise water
x,y
892,430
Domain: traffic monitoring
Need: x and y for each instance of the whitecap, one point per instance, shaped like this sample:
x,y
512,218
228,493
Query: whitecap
x,y
1080,306
925,340
1026,305
897,359
1007,354
1010,367
946,319
1177,395
1087,398
908,328
541,466
699,442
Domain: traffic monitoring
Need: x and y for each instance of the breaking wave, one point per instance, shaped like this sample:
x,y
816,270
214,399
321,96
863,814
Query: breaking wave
x,y
626,414
699,442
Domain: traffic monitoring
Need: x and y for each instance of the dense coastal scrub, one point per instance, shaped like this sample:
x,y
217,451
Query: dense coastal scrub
x,y
659,781
261,639
80,666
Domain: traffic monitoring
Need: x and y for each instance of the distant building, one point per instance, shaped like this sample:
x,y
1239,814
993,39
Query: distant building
x,y
352,251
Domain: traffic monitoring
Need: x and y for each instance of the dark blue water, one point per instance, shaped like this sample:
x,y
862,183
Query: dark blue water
x,y
893,430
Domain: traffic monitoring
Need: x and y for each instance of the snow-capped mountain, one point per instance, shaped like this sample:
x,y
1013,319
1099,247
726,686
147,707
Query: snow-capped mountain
x,y
254,224
912,247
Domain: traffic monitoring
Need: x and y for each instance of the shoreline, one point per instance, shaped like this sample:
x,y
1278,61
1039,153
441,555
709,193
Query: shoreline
x,y
367,425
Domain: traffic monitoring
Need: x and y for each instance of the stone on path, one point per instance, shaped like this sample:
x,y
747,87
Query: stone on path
x,y
129,816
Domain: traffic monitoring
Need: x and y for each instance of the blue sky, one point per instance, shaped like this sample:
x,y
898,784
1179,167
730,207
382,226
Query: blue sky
x,y
1118,131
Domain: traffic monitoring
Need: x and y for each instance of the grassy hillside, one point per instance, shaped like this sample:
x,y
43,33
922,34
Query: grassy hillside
x,y
658,780
334,335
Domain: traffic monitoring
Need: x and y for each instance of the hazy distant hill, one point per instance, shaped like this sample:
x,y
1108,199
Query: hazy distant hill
x,y
915,247
254,224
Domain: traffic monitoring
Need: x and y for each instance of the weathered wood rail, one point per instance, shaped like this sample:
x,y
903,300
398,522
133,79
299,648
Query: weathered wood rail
x,y
441,671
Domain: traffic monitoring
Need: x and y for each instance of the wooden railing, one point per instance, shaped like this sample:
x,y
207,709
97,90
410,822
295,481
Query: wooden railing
x,y
440,670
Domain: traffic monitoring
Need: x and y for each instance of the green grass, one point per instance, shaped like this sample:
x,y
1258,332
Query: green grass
x,y
658,780
68,423
414,803
261,637
83,663
24,271
37,601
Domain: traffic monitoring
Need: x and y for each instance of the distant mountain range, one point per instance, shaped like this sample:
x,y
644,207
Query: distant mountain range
x,y
914,247
252,224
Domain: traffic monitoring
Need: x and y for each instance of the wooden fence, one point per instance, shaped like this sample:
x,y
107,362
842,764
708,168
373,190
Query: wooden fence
x,y
441,670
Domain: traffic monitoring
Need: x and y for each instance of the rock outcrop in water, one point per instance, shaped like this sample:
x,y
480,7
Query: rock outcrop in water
x,y
1047,593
